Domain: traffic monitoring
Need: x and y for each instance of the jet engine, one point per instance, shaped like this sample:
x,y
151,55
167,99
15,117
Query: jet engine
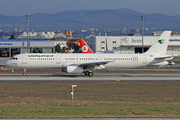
x,y
74,69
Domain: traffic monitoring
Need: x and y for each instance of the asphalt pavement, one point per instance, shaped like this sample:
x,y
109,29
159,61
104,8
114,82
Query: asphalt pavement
x,y
96,77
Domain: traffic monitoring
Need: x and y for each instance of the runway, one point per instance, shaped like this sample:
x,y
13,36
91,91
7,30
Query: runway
x,y
96,77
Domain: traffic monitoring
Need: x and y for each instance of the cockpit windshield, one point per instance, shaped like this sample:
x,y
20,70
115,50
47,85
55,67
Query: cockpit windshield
x,y
14,58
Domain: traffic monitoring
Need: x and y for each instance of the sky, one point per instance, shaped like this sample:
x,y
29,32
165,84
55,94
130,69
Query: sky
x,y
23,7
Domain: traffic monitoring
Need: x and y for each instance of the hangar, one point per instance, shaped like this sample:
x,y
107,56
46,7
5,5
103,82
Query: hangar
x,y
130,44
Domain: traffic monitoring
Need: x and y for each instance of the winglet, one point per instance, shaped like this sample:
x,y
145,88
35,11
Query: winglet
x,y
160,46
84,47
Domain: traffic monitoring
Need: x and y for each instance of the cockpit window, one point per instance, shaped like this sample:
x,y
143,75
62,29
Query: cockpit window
x,y
14,58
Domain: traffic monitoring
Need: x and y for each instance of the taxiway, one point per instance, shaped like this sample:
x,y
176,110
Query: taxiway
x,y
96,77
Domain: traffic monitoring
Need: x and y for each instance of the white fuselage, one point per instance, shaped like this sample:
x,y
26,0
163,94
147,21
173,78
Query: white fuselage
x,y
60,61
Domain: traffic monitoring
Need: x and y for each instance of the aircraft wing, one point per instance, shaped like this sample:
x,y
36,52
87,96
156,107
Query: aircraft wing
x,y
92,65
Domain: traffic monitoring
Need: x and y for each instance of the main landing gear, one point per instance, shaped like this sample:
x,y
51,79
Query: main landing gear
x,y
88,73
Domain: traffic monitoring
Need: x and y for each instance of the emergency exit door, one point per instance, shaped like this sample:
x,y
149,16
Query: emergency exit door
x,y
58,59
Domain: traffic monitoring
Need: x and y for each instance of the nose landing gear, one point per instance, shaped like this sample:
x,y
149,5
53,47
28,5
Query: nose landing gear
x,y
24,73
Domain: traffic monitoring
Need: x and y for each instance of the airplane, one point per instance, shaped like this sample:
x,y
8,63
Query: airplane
x,y
86,49
76,63
108,51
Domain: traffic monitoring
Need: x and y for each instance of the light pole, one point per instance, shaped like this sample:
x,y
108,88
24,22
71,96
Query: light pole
x,y
142,18
27,17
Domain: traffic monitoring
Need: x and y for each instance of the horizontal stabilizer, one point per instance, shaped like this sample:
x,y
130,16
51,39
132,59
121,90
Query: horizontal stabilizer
x,y
160,59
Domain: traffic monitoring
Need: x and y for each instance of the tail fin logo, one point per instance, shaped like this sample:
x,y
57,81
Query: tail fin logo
x,y
84,48
161,41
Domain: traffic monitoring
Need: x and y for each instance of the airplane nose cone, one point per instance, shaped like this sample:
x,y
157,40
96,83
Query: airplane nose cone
x,y
8,63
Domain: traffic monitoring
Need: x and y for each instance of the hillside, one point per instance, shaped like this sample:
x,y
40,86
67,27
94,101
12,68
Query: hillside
x,y
83,19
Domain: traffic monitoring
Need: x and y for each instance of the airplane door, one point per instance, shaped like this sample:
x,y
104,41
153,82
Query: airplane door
x,y
24,59
135,59
99,58
58,59
144,59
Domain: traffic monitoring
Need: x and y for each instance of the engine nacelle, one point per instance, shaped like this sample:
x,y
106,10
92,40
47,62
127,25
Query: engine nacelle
x,y
74,69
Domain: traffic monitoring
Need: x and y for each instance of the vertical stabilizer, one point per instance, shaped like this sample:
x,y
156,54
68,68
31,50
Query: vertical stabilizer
x,y
106,45
160,45
84,47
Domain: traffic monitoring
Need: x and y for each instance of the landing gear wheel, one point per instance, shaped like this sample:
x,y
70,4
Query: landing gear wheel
x,y
86,73
90,74
24,74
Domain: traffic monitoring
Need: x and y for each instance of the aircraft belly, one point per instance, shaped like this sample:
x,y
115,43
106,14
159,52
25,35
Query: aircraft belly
x,y
123,65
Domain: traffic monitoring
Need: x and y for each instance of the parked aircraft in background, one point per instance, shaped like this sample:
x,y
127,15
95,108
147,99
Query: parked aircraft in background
x,y
86,63
171,63
86,49
108,51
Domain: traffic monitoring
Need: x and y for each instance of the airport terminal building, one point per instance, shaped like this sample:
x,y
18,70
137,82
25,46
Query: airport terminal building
x,y
11,47
130,44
